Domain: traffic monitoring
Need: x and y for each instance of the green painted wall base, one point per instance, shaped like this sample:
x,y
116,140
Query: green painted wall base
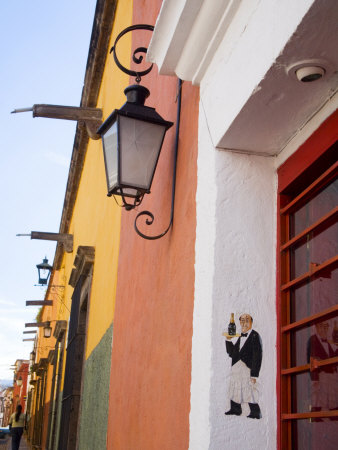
x,y
95,396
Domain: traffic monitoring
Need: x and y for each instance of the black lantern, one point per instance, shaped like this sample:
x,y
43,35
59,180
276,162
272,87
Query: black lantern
x,y
47,330
44,270
19,381
132,139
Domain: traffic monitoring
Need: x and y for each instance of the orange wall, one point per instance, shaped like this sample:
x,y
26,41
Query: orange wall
x,y
151,357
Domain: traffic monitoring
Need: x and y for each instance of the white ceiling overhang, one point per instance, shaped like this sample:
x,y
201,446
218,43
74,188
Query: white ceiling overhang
x,y
240,52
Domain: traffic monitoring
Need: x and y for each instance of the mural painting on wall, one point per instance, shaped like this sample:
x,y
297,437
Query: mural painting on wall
x,y
245,350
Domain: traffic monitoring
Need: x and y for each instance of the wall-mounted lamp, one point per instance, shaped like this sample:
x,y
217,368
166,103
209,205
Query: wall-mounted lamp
x,y
19,381
32,357
44,270
132,138
47,330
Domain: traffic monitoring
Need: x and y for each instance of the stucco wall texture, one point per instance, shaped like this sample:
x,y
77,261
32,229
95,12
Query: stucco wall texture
x,y
94,407
151,356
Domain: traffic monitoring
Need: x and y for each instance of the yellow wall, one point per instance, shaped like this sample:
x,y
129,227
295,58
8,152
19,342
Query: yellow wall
x,y
96,217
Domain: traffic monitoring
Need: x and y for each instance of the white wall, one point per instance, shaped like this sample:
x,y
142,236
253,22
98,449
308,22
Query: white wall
x,y
240,54
235,272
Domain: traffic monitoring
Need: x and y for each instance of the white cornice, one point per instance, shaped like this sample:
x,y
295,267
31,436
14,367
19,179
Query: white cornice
x,y
241,53
187,34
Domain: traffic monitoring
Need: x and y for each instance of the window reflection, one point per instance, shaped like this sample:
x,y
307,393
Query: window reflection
x,y
313,210
324,386
314,296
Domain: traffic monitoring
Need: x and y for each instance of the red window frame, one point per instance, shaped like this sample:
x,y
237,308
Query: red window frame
x,y
316,146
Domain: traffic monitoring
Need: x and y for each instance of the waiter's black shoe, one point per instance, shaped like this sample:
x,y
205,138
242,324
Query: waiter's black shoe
x,y
255,412
235,409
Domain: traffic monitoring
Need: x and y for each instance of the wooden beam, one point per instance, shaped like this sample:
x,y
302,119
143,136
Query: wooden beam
x,y
29,332
39,302
25,340
36,324
64,238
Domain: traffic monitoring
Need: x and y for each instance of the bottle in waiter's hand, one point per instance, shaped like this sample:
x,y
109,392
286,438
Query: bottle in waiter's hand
x,y
232,326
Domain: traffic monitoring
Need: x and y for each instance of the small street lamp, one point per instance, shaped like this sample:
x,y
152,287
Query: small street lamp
x,y
32,357
47,330
44,270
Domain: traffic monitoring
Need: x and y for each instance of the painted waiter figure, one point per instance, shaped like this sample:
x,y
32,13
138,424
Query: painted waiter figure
x,y
246,355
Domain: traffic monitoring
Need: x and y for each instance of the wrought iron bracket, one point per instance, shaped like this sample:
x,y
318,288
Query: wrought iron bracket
x,y
150,216
136,59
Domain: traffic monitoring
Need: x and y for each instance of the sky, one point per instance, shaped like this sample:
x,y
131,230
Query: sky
x,y
44,48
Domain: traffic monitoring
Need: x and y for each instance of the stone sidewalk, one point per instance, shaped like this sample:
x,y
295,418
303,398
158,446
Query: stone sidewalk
x,y
5,444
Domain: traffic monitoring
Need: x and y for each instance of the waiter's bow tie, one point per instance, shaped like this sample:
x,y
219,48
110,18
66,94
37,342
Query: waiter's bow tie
x,y
244,334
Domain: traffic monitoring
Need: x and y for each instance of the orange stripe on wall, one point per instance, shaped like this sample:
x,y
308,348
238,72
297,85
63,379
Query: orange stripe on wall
x,y
151,356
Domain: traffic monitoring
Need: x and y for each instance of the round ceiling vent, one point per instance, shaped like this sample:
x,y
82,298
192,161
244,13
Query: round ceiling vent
x,y
309,70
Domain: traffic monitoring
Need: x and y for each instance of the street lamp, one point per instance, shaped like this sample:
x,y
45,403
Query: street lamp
x,y
44,270
132,138
47,330
19,381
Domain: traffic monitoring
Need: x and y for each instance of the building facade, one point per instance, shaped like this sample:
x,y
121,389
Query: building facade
x,y
141,356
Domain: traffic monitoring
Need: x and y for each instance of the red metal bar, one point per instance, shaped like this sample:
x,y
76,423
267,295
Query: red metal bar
x,y
314,271
329,216
311,190
310,319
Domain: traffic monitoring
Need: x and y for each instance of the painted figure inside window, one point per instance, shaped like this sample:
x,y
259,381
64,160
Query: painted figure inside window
x,y
324,387
246,356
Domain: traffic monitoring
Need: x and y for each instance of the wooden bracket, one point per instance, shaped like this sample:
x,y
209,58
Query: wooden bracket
x,y
36,324
65,239
39,302
90,117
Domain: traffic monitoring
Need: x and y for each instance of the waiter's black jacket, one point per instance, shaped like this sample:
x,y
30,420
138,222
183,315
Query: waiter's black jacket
x,y
250,354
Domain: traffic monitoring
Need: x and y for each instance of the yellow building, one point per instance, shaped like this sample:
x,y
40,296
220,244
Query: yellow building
x,y
70,381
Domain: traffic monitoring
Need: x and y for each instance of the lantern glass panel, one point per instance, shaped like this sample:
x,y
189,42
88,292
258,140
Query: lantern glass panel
x,y
140,145
110,156
47,331
43,276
